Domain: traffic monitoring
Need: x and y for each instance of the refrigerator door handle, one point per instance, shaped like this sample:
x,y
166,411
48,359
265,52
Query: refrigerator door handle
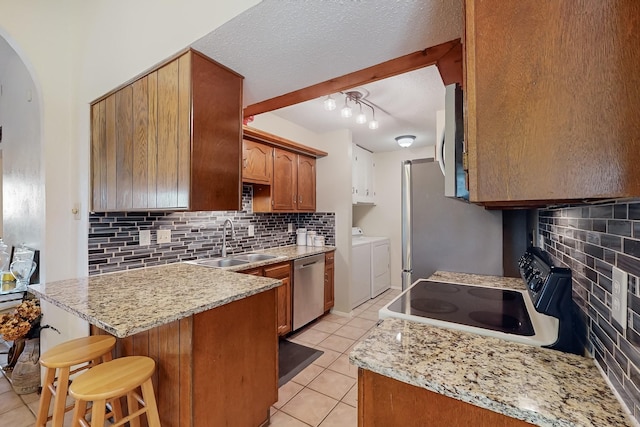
x,y
406,219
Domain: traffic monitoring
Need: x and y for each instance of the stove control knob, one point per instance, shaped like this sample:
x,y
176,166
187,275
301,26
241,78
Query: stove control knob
x,y
537,284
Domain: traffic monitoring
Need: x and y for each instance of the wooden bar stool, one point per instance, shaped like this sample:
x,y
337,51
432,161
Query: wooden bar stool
x,y
112,380
89,351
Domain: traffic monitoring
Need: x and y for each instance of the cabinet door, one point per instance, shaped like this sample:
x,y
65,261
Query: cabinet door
x,y
354,174
285,180
306,183
283,295
552,110
329,274
257,162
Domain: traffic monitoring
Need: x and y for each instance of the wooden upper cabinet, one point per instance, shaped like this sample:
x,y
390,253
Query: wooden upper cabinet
x,y
306,183
292,187
285,180
257,162
170,139
553,99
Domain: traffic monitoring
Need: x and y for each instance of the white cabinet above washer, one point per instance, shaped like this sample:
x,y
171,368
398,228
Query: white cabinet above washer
x,y
362,177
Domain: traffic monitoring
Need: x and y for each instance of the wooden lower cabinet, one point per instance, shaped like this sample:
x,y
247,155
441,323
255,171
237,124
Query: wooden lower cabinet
x,y
385,402
280,271
283,295
329,282
215,368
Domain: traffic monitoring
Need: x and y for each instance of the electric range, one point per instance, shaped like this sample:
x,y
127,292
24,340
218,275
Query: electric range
x,y
541,315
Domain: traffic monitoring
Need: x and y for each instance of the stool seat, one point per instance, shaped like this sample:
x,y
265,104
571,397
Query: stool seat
x,y
77,351
86,351
110,381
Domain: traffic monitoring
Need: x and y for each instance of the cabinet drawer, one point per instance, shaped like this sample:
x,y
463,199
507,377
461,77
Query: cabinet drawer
x,y
278,271
329,257
252,271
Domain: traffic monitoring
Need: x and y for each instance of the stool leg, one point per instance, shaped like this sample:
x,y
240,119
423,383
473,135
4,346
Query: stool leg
x,y
132,406
60,401
116,408
107,357
79,411
150,402
45,397
97,413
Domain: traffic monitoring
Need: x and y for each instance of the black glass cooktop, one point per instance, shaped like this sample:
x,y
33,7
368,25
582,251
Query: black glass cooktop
x,y
501,310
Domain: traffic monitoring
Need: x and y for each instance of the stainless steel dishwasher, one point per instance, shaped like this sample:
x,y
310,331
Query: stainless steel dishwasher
x,y
308,289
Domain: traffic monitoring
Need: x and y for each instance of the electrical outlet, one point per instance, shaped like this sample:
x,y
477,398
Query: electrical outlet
x,y
164,236
251,230
619,297
540,241
290,228
145,237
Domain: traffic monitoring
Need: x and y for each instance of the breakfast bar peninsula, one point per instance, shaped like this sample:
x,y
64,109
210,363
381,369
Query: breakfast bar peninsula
x,y
211,332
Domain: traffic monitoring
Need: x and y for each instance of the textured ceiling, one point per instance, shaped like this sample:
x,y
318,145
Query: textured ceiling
x,y
280,46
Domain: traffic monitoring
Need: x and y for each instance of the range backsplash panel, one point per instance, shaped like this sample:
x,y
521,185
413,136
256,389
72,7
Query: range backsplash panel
x,y
114,237
591,240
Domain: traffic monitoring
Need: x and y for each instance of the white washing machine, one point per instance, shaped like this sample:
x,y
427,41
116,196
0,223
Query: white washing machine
x,y
370,275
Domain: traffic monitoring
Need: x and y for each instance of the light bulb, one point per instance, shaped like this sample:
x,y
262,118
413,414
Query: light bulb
x,y
346,111
361,118
329,103
373,124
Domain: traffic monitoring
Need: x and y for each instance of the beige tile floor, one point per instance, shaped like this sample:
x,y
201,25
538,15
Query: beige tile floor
x,y
324,394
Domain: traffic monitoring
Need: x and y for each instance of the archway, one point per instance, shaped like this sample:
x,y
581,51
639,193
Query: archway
x,y
23,191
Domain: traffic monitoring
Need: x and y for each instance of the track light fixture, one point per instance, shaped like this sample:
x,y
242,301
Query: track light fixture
x,y
357,99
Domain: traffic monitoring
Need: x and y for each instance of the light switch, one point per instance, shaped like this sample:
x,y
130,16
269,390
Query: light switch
x,y
251,230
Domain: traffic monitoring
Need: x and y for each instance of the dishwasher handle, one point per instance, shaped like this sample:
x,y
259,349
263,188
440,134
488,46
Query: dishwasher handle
x,y
307,262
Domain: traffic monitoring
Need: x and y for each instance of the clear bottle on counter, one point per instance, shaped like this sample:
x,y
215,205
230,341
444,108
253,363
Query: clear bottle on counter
x,y
7,281
310,236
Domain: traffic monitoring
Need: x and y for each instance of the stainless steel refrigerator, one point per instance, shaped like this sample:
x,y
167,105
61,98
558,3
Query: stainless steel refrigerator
x,y
441,233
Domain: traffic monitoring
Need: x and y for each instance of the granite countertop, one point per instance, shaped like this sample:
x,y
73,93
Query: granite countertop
x,y
541,386
125,303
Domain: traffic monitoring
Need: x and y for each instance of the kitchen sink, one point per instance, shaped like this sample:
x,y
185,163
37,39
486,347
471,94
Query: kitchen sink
x,y
232,260
221,262
254,257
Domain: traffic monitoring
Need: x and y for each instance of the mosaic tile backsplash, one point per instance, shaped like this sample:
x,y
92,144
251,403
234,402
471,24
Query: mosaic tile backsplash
x,y
114,237
591,240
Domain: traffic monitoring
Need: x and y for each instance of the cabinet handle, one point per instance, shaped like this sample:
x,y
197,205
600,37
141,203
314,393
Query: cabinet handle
x,y
294,199
244,163
300,201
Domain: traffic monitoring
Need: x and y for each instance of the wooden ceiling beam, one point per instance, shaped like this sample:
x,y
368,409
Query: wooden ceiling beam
x,y
393,67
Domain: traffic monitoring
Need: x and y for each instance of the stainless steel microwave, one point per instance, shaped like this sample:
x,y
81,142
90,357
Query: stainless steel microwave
x,y
450,145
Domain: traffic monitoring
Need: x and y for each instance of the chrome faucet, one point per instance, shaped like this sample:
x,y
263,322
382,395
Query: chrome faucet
x,y
224,236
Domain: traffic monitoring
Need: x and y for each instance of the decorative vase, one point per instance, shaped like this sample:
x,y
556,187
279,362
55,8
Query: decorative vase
x,y
22,269
26,372
14,352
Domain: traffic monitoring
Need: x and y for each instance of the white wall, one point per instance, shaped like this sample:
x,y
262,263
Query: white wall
x,y
384,218
75,51
333,190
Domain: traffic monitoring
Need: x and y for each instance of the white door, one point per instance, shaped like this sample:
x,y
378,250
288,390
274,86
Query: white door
x,y
380,274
